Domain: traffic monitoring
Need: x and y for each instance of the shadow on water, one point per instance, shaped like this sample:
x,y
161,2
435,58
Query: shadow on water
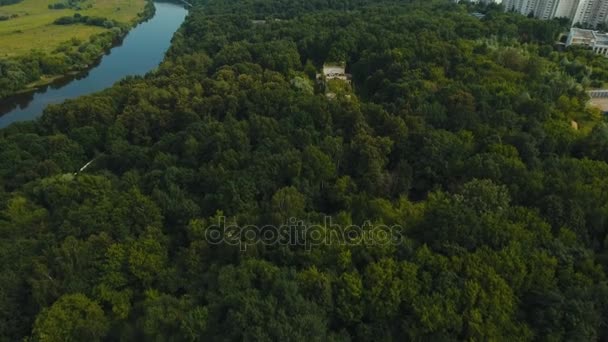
x,y
140,51
22,100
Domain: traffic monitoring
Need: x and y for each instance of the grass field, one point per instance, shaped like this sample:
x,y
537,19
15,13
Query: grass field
x,y
34,28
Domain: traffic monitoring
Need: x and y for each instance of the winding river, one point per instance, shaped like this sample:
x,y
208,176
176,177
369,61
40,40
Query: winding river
x,y
141,50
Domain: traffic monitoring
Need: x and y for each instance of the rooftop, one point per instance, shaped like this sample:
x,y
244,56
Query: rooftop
x,y
333,69
579,36
581,33
335,72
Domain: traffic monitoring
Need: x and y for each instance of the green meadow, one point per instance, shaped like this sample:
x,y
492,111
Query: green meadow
x,y
31,23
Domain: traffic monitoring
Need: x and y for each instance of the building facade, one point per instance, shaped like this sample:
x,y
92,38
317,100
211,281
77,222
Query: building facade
x,y
596,41
588,13
591,12
583,12
566,9
524,7
543,9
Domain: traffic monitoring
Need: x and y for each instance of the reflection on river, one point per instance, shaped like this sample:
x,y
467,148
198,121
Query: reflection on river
x,y
141,51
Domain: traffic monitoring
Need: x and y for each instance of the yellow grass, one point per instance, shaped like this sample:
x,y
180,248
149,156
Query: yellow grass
x,y
34,28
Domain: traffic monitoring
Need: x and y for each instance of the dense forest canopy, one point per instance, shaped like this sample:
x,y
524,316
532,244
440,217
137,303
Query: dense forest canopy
x,y
457,135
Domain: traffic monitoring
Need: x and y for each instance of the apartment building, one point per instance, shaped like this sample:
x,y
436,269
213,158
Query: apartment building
x,y
566,8
591,12
584,12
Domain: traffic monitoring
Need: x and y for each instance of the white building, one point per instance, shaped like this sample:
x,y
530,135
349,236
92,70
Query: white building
x,y
335,72
585,12
591,12
521,6
595,40
566,8
543,9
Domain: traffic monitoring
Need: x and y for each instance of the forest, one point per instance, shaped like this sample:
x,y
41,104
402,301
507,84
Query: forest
x,y
470,140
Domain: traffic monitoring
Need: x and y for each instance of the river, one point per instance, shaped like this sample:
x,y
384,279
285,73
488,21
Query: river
x,y
141,50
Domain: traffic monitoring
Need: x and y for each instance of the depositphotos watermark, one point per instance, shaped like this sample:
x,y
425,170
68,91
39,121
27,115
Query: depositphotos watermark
x,y
297,232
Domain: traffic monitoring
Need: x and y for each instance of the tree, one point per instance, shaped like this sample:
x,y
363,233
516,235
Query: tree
x,y
71,318
287,203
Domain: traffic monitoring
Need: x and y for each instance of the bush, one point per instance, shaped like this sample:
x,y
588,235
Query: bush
x,y
91,21
58,6
9,2
66,21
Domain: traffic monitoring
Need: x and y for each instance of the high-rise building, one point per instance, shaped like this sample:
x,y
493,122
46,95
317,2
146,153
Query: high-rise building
x,y
584,12
591,12
566,8
544,9
524,7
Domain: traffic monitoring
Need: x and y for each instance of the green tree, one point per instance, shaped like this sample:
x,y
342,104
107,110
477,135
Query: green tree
x,y
71,318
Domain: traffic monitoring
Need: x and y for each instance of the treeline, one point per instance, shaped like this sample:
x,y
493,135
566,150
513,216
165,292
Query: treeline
x,y
7,17
74,55
73,4
9,2
458,138
77,18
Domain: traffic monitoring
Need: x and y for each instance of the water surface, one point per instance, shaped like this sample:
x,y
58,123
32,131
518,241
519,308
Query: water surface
x,y
142,50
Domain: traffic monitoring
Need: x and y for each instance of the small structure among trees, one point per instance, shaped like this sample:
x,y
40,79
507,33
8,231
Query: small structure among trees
x,y
335,72
334,80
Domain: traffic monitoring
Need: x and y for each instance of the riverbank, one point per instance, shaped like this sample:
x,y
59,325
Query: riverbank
x,y
141,50
38,68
